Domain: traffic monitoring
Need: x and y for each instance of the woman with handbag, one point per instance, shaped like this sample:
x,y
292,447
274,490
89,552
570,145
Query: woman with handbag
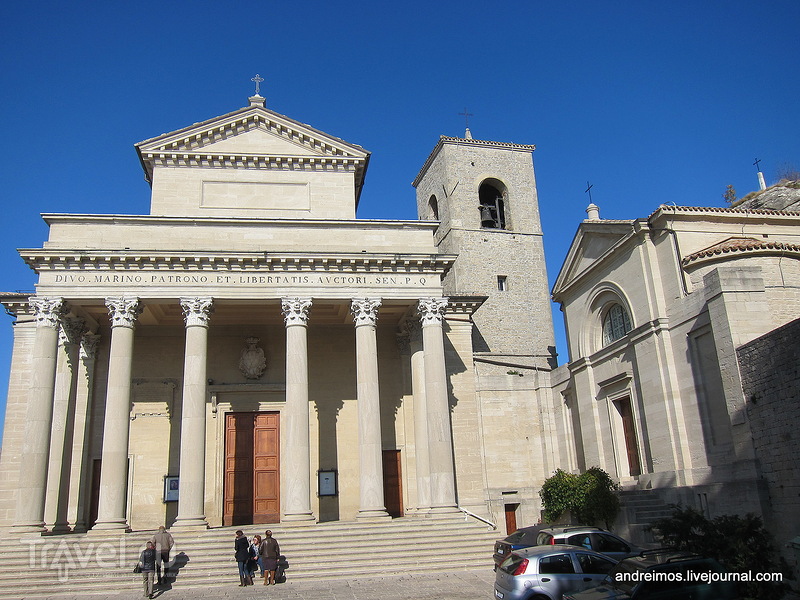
x,y
269,552
147,567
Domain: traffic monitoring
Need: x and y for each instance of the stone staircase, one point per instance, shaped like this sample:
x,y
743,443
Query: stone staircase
x,y
40,566
643,508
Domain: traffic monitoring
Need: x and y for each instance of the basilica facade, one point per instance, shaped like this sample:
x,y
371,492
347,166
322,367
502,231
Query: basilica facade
x,y
251,352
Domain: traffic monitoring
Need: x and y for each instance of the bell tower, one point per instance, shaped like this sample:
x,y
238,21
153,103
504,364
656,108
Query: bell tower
x,y
484,196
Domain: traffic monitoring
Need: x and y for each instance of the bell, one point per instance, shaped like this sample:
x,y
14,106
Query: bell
x,y
486,217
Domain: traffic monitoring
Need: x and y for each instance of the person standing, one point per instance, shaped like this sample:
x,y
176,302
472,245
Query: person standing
x,y
242,548
269,552
147,560
163,542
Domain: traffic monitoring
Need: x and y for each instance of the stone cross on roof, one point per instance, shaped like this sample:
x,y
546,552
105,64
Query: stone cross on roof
x,y
258,79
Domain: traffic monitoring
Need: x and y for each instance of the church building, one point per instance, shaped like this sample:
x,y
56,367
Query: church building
x,y
252,352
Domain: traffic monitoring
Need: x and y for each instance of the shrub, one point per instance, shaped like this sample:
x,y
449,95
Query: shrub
x,y
741,544
590,497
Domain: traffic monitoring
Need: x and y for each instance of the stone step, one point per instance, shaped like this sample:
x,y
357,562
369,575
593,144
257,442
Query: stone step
x,y
69,563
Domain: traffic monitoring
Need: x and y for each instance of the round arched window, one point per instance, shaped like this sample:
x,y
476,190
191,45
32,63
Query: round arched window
x,y
616,324
492,205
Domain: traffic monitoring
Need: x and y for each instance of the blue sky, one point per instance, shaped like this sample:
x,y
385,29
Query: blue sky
x,y
652,102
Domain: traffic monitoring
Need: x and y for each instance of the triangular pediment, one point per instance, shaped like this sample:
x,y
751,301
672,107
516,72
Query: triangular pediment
x,y
592,243
252,133
256,141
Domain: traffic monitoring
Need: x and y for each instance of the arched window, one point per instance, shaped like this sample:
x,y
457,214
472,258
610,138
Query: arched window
x,y
433,205
616,324
492,205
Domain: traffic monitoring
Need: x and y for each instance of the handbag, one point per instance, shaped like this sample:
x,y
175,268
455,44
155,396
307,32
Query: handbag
x,y
137,568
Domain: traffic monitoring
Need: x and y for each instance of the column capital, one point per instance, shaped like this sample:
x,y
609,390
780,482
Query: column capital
x,y
72,329
295,310
196,311
124,311
89,343
48,311
431,310
365,311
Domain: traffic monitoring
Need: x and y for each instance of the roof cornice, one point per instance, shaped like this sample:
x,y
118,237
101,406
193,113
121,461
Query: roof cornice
x,y
117,219
455,141
51,260
694,211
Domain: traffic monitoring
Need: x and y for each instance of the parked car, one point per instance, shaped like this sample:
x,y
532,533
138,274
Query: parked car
x,y
591,538
667,573
525,537
547,572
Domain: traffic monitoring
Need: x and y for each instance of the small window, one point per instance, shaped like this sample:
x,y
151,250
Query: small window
x,y
616,324
502,283
433,205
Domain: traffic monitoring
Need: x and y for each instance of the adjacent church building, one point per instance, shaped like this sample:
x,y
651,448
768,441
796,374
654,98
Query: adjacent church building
x,y
251,352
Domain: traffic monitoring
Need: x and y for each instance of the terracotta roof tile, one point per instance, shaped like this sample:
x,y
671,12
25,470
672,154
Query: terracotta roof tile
x,y
740,245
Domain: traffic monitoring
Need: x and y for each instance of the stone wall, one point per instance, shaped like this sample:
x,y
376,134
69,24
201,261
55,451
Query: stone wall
x,y
770,370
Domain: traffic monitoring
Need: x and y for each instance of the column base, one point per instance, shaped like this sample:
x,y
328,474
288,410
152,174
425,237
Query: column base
x,y
106,526
61,528
299,518
189,524
373,515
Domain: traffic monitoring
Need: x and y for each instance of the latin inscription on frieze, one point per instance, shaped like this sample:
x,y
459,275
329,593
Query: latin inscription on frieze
x,y
153,278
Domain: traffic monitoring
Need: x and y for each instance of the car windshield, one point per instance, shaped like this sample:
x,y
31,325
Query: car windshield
x,y
520,536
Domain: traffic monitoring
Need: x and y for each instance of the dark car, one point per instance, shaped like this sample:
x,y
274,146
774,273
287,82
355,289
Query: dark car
x,y
524,537
662,575
547,572
591,538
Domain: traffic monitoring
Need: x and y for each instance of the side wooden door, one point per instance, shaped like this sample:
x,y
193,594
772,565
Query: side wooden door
x,y
392,483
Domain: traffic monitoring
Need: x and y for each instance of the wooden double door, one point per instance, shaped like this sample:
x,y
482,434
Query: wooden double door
x,y
252,468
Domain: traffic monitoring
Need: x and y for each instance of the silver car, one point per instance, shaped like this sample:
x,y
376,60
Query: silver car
x,y
547,572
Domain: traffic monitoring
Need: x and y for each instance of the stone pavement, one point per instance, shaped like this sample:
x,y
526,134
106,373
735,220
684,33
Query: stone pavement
x,y
453,585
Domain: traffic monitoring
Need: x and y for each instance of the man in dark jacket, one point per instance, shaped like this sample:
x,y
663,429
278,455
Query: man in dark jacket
x,y
242,548
147,561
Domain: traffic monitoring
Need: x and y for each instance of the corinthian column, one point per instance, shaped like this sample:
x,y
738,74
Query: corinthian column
x,y
60,469
420,417
80,449
36,446
114,457
297,499
440,436
365,315
192,482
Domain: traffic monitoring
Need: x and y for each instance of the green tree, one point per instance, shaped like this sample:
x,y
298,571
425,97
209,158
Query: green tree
x,y
591,497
